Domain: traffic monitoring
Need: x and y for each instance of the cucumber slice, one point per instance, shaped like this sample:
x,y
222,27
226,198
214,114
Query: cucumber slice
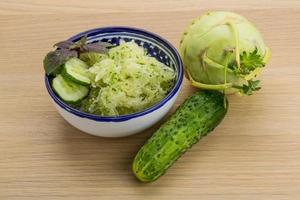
x,y
69,91
77,71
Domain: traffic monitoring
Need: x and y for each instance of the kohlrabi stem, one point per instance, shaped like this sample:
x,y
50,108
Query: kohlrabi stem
x,y
202,59
225,68
208,86
207,61
236,39
225,74
253,74
267,55
210,62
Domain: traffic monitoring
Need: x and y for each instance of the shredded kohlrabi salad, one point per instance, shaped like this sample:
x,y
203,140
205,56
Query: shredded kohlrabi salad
x,y
125,80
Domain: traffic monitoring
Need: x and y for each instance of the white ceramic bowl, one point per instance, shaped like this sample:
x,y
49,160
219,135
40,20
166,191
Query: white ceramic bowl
x,y
124,125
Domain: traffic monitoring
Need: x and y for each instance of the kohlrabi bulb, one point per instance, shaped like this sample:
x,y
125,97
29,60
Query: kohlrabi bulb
x,y
223,51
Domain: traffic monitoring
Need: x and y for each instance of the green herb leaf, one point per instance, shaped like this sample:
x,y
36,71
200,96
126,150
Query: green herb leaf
x,y
55,59
252,60
249,62
249,88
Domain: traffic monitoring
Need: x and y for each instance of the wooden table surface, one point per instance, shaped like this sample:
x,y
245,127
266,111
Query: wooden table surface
x,y
253,154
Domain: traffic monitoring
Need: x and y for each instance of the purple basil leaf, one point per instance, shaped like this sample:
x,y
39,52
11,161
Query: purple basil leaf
x,y
64,44
55,59
99,47
79,44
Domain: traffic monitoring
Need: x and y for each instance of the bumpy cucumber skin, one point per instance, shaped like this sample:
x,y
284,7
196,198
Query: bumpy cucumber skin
x,y
194,119
65,74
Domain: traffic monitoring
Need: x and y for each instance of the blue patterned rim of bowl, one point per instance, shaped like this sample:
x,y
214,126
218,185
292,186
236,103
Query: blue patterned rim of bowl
x,y
156,47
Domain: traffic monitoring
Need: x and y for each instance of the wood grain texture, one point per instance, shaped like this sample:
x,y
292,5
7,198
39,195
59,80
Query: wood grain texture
x,y
253,154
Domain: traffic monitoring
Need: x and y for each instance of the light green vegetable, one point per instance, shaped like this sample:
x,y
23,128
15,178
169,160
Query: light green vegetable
x,y
194,119
69,91
223,51
127,81
77,71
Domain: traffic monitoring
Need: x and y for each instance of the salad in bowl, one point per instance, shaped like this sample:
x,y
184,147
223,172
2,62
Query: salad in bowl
x,y
113,81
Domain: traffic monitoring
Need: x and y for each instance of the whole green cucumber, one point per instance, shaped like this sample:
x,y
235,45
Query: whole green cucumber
x,y
194,119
